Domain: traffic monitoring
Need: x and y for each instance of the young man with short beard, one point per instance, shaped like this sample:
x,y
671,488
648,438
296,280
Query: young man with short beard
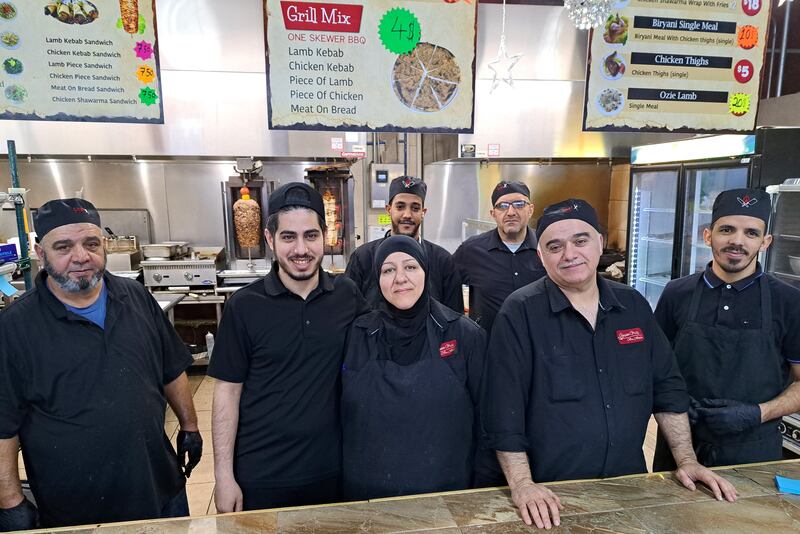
x,y
88,362
407,210
736,334
277,359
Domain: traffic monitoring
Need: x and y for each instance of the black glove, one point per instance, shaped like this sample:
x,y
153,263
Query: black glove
x,y
23,516
190,443
725,416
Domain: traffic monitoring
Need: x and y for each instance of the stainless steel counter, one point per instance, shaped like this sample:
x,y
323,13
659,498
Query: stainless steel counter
x,y
642,503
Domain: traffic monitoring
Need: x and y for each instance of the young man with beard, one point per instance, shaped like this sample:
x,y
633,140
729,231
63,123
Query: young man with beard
x,y
736,334
88,362
576,365
496,263
277,359
407,209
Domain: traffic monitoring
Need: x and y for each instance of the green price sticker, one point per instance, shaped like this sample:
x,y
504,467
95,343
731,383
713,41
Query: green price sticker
x,y
399,30
739,104
384,219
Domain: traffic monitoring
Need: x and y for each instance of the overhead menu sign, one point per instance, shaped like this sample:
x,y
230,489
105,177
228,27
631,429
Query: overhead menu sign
x,y
376,65
677,66
79,60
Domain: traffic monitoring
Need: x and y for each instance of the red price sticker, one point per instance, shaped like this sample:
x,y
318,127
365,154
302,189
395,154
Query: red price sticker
x,y
747,37
743,71
751,7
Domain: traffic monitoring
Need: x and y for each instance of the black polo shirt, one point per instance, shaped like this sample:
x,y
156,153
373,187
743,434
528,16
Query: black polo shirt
x,y
578,400
287,352
444,280
493,272
736,305
88,403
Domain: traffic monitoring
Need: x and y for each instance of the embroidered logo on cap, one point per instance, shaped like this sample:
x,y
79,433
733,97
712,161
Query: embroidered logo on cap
x,y
80,210
747,201
448,348
568,209
408,182
501,185
631,335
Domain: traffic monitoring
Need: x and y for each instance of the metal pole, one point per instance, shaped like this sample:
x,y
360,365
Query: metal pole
x,y
786,16
774,31
405,154
24,262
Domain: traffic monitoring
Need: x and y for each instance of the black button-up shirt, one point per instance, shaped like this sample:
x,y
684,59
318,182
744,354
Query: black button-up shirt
x,y
88,403
287,352
736,306
577,400
441,275
493,272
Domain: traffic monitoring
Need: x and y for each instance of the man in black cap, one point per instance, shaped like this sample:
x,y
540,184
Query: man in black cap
x,y
407,209
88,362
735,331
275,419
577,364
496,263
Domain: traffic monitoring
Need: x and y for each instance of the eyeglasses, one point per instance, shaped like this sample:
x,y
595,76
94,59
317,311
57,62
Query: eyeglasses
x,y
518,205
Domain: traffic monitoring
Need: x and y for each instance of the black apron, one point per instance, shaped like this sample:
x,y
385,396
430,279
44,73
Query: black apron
x,y
406,429
718,362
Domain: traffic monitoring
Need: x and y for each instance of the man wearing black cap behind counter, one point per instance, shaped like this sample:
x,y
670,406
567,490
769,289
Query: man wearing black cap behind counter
x,y
576,366
497,262
407,209
88,362
275,419
736,335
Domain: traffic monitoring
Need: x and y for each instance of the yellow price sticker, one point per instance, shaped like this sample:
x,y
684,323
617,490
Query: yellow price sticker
x,y
739,104
384,219
145,73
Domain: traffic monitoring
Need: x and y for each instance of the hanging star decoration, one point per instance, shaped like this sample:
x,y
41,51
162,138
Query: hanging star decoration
x,y
503,63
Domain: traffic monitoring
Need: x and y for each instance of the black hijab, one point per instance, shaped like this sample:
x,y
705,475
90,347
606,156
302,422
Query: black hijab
x,y
403,332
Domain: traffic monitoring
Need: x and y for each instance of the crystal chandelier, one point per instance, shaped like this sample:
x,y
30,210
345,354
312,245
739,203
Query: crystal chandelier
x,y
586,14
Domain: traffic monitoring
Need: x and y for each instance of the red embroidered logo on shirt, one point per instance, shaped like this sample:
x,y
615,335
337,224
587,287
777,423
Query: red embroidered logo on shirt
x,y
631,335
448,348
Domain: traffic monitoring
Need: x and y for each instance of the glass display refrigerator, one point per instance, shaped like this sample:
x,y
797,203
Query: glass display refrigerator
x,y
782,259
672,190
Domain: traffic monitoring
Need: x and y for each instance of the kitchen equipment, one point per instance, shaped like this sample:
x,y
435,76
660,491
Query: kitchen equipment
x,y
246,258
123,261
335,183
160,251
198,272
672,192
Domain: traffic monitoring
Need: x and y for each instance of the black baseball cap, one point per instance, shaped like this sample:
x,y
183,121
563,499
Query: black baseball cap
x,y
747,201
408,184
64,211
297,194
572,208
506,188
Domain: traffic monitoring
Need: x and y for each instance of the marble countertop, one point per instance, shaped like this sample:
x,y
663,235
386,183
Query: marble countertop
x,y
635,504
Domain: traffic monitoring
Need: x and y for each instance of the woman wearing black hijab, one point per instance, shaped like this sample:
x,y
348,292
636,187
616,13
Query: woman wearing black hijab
x,y
410,386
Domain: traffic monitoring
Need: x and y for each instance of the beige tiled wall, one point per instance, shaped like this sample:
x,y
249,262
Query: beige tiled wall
x,y
618,207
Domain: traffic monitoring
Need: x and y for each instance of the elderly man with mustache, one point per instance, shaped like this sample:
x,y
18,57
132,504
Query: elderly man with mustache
x,y
575,367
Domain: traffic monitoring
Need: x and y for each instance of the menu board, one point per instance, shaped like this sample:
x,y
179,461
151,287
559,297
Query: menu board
x,y
677,66
79,60
377,65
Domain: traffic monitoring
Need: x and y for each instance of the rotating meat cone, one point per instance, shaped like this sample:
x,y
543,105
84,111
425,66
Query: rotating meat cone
x,y
247,220
129,11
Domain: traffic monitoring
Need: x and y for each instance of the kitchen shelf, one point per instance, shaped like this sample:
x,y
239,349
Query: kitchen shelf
x,y
789,237
660,281
657,240
659,210
786,275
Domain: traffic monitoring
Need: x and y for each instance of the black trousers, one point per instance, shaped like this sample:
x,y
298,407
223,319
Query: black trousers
x,y
319,492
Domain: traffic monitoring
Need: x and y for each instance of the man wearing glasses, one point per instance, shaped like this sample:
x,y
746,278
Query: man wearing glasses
x,y
496,263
